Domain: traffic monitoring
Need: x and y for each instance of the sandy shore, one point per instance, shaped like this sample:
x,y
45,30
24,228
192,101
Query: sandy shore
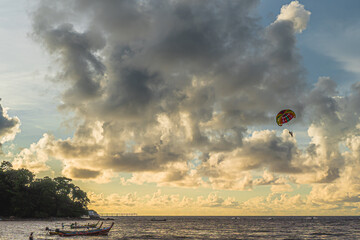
x,y
49,219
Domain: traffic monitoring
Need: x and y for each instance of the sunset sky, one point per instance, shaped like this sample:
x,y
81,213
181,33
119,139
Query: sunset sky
x,y
168,107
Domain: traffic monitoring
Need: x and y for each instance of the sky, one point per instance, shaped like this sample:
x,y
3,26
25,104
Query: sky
x,y
168,107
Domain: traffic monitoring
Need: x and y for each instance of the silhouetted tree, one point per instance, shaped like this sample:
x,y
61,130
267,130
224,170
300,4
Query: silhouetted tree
x,y
23,196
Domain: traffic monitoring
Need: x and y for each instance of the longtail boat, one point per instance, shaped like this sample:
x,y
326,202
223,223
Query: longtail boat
x,y
91,232
74,225
57,231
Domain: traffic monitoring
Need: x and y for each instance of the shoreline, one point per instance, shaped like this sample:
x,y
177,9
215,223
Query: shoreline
x,y
51,219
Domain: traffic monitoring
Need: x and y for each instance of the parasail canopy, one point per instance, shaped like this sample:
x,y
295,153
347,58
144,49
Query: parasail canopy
x,y
285,116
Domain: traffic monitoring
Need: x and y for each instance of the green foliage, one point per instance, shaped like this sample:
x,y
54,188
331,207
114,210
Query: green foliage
x,y
23,196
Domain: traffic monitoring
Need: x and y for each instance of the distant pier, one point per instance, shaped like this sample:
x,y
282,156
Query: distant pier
x,y
118,214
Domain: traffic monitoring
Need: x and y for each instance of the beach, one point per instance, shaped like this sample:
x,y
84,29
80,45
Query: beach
x,y
177,227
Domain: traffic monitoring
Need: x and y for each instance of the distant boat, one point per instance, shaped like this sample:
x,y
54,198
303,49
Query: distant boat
x,y
158,219
91,232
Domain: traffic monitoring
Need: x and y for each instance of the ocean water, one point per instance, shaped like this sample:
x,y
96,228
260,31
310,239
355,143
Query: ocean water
x,y
201,228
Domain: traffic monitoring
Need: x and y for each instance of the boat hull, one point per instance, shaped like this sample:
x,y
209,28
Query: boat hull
x,y
93,232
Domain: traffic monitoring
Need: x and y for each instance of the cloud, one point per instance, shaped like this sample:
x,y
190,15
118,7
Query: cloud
x,y
333,119
133,202
113,202
344,191
9,126
268,178
83,173
168,92
262,149
35,157
295,13
276,203
171,93
173,85
176,175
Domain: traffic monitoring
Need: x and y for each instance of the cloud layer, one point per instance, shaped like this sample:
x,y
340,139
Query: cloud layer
x,y
216,204
9,126
167,80
171,90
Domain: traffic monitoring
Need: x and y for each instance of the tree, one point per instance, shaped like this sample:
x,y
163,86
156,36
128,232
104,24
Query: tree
x,y
23,196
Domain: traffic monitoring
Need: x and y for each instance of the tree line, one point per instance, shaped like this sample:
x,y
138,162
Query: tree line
x,y
22,195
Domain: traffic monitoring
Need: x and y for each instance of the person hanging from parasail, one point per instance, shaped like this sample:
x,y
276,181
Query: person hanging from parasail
x,y
284,117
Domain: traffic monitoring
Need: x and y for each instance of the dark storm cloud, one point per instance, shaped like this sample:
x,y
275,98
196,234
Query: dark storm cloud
x,y
273,153
322,100
282,39
216,40
82,68
123,21
200,35
133,93
6,123
151,158
83,173
68,149
8,126
207,70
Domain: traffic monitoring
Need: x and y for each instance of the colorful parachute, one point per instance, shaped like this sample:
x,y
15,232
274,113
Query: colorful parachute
x,y
284,116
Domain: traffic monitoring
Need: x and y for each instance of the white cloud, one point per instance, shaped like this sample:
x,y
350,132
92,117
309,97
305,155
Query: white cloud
x,y
35,157
296,13
318,202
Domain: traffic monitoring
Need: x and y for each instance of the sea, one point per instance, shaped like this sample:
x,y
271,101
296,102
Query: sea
x,y
139,227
